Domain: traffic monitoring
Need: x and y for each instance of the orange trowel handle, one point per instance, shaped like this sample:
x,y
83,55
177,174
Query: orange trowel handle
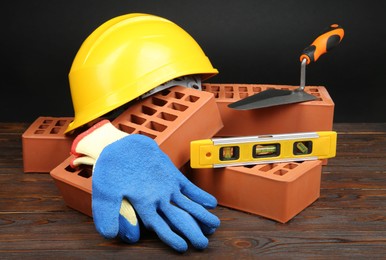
x,y
330,38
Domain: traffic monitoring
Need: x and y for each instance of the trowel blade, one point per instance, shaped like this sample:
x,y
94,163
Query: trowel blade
x,y
270,98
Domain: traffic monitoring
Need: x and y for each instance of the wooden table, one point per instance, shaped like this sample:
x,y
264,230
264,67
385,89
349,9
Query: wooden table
x,y
348,220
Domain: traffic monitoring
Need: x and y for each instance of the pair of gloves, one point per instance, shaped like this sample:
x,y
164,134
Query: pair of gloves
x,y
132,176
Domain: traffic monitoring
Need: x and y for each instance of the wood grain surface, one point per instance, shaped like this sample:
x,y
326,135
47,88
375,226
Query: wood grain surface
x,y
347,221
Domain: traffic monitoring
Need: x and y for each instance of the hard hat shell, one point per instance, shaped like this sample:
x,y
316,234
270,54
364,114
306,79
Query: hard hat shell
x,y
126,57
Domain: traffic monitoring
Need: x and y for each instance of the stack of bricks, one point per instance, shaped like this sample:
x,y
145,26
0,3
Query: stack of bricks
x,y
172,118
276,191
176,116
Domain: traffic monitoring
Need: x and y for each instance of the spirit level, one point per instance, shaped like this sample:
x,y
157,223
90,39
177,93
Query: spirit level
x,y
234,151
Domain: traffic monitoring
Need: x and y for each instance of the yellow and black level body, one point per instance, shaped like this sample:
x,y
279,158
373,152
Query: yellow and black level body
x,y
234,151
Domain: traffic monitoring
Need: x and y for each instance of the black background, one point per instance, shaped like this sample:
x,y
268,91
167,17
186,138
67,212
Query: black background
x,y
248,41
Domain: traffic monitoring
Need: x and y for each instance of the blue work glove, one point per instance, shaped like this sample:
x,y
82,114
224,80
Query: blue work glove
x,y
86,149
136,169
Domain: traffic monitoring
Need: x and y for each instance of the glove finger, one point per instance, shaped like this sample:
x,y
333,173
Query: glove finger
x,y
128,223
197,211
207,230
198,195
105,212
163,230
127,232
186,225
87,160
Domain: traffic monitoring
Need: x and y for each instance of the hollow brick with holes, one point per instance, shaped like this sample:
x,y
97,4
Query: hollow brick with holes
x,y
275,191
45,145
173,118
309,116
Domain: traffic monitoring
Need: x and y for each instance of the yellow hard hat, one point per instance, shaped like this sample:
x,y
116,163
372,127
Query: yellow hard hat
x,y
126,57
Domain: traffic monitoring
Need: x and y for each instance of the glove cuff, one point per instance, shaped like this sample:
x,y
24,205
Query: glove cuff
x,y
91,142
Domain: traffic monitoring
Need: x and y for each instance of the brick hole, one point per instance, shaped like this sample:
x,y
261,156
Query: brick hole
x,y
313,90
167,116
156,126
70,169
317,95
284,88
165,92
215,88
148,110
291,166
60,123
178,95
256,89
55,130
85,173
158,102
267,167
250,166
192,98
47,121
243,89
228,89
280,172
215,94
147,134
229,95
43,127
39,132
137,120
243,95
178,107
126,128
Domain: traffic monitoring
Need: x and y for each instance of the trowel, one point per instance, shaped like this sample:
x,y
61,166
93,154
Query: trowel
x,y
330,38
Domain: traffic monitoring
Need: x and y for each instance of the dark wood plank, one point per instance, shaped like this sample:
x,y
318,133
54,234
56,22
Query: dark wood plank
x,y
347,221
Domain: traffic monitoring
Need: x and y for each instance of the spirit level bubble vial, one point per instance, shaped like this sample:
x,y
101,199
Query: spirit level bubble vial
x,y
235,151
